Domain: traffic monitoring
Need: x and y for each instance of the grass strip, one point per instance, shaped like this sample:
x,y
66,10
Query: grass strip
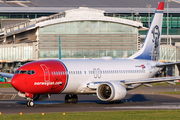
x,y
7,85
113,115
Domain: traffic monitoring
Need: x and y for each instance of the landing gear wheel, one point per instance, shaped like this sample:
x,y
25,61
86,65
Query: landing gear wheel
x,y
74,98
30,103
67,98
71,98
27,104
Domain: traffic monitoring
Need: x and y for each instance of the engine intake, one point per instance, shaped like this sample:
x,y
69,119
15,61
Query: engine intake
x,y
111,91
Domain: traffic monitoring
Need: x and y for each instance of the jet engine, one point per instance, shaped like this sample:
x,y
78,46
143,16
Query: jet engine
x,y
111,91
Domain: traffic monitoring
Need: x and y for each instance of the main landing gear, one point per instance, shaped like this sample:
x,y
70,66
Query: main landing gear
x,y
71,98
30,103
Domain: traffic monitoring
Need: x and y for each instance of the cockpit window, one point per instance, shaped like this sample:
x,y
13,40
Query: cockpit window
x,y
17,71
30,72
23,72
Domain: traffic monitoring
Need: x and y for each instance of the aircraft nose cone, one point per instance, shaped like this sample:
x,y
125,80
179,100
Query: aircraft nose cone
x,y
14,84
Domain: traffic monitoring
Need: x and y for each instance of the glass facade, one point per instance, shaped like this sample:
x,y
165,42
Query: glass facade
x,y
22,15
174,24
91,39
94,38
18,52
169,53
174,21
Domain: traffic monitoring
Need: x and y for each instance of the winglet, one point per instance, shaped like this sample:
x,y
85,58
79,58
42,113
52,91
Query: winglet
x,y
160,6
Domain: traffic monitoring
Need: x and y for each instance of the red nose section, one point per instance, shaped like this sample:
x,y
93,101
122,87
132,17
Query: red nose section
x,y
14,84
41,77
17,82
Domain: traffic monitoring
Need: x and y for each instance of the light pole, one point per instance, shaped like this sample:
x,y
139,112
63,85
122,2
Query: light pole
x,y
167,1
148,5
132,13
136,15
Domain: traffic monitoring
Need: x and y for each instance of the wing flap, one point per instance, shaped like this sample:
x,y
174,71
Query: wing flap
x,y
129,82
152,80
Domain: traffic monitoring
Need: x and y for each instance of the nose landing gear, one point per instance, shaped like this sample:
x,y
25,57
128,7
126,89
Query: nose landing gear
x,y
71,98
30,103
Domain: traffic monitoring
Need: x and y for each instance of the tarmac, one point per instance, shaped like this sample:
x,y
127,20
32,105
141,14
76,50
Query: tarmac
x,y
142,98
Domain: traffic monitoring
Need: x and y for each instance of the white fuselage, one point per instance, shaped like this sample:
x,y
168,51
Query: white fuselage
x,y
81,72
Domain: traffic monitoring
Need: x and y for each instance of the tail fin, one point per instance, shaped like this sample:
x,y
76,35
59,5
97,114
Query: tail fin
x,y
151,45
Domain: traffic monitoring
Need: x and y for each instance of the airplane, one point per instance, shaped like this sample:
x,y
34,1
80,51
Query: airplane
x,y
109,78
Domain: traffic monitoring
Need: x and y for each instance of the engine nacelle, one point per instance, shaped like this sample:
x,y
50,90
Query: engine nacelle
x,y
111,91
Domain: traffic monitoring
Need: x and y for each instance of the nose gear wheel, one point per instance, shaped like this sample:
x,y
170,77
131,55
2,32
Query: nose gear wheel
x,y
30,103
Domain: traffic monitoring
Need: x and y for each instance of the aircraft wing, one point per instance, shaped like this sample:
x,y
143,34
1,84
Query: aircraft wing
x,y
145,81
166,64
151,80
9,75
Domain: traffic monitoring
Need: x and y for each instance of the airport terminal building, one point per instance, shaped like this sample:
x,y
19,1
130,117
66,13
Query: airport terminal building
x,y
82,32
78,33
35,30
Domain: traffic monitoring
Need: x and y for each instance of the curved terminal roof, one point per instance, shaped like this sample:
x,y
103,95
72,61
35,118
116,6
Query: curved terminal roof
x,y
85,13
81,14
